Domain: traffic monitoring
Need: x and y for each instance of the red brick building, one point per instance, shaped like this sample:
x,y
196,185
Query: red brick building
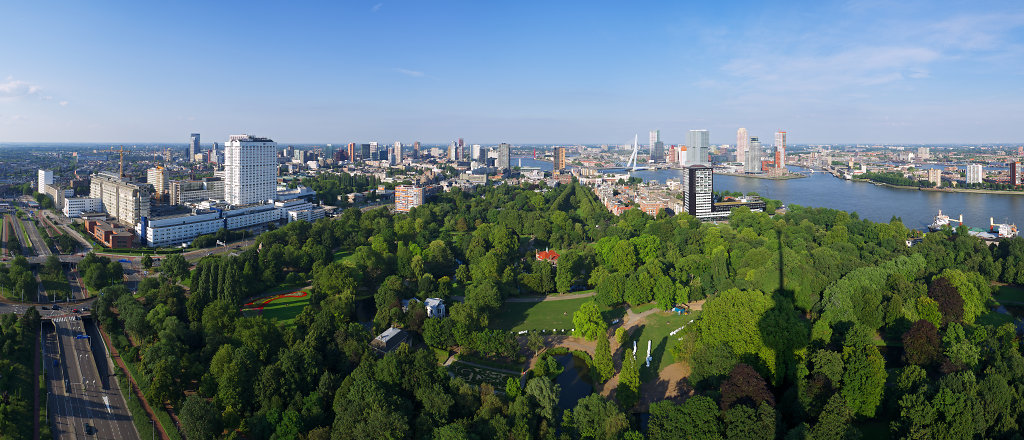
x,y
110,235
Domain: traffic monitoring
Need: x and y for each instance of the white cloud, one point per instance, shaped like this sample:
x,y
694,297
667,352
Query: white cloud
x,y
413,73
12,89
376,7
855,67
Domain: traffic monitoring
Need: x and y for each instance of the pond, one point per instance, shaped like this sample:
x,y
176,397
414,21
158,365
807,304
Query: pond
x,y
574,381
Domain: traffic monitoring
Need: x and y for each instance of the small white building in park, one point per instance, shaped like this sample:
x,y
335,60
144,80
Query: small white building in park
x,y
435,307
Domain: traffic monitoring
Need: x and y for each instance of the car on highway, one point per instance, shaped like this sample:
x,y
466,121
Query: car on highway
x,y
74,310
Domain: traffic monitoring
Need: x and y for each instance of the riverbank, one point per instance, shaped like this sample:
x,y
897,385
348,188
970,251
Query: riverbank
x,y
945,190
765,176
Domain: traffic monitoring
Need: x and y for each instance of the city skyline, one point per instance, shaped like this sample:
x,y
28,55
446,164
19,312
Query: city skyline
x,y
834,73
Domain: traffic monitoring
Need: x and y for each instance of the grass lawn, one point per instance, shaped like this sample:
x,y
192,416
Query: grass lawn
x,y
657,329
537,315
993,318
341,255
644,307
441,355
1010,293
284,309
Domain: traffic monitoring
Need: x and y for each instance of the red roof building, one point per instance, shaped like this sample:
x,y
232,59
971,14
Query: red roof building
x,y
549,256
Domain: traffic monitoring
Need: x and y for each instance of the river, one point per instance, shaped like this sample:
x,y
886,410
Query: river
x,y
916,208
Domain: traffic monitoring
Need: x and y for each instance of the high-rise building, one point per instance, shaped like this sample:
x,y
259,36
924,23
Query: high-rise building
x,y
672,155
975,173
126,201
924,153
699,147
157,177
398,152
657,147
452,151
697,185
250,170
193,146
45,178
504,156
476,154
364,153
780,150
461,153
752,164
375,152
1014,173
742,143
351,151
416,150
559,158
935,177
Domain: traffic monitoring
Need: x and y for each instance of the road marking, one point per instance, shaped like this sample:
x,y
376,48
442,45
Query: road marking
x,y
106,402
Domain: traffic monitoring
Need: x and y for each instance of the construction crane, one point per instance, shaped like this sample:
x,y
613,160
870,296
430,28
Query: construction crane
x,y
120,151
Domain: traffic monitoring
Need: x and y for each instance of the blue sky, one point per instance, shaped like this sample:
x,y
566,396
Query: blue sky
x,y
521,72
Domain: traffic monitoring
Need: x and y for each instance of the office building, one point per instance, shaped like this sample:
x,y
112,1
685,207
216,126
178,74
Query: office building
x,y
416,150
192,191
780,150
742,143
397,153
45,178
364,152
657,147
125,201
559,159
193,147
375,151
975,173
1014,173
935,177
697,184
461,153
752,164
699,147
158,178
250,170
75,206
504,160
351,151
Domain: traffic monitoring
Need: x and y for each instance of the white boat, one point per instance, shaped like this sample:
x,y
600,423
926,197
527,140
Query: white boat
x,y
943,220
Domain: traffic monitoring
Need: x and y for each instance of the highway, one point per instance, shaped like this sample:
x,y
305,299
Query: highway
x,y
84,400
37,240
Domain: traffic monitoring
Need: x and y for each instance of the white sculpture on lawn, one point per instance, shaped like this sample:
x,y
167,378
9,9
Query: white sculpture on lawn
x,y
648,353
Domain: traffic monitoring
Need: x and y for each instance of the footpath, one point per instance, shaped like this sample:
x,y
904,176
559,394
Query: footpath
x,y
131,382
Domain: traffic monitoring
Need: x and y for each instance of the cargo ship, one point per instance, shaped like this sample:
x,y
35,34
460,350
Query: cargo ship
x,y
1002,230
